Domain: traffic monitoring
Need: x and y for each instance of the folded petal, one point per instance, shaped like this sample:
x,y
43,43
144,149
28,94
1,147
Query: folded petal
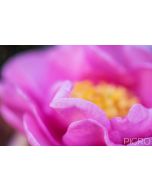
x,y
137,124
86,133
36,130
74,109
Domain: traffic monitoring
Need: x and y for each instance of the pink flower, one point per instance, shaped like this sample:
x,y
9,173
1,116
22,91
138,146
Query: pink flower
x,y
80,95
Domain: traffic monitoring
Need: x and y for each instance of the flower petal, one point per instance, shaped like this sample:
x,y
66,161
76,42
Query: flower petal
x,y
14,102
137,124
106,66
143,83
138,60
86,133
37,132
137,56
74,109
66,63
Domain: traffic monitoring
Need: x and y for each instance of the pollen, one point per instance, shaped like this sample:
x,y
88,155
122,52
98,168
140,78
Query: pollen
x,y
114,100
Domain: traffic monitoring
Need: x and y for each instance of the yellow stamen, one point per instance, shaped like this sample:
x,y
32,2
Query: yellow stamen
x,y
114,100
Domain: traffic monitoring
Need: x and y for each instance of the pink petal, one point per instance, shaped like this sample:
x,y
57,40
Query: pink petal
x,y
36,131
106,66
64,63
139,61
14,102
137,56
86,133
73,109
137,124
143,83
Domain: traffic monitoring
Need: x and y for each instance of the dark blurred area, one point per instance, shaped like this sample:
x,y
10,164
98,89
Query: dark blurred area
x,y
7,51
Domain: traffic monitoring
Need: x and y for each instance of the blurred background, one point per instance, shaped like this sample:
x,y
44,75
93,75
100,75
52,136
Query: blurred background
x,y
7,134
7,51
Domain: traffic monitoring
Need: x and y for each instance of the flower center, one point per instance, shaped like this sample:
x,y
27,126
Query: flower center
x,y
114,100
